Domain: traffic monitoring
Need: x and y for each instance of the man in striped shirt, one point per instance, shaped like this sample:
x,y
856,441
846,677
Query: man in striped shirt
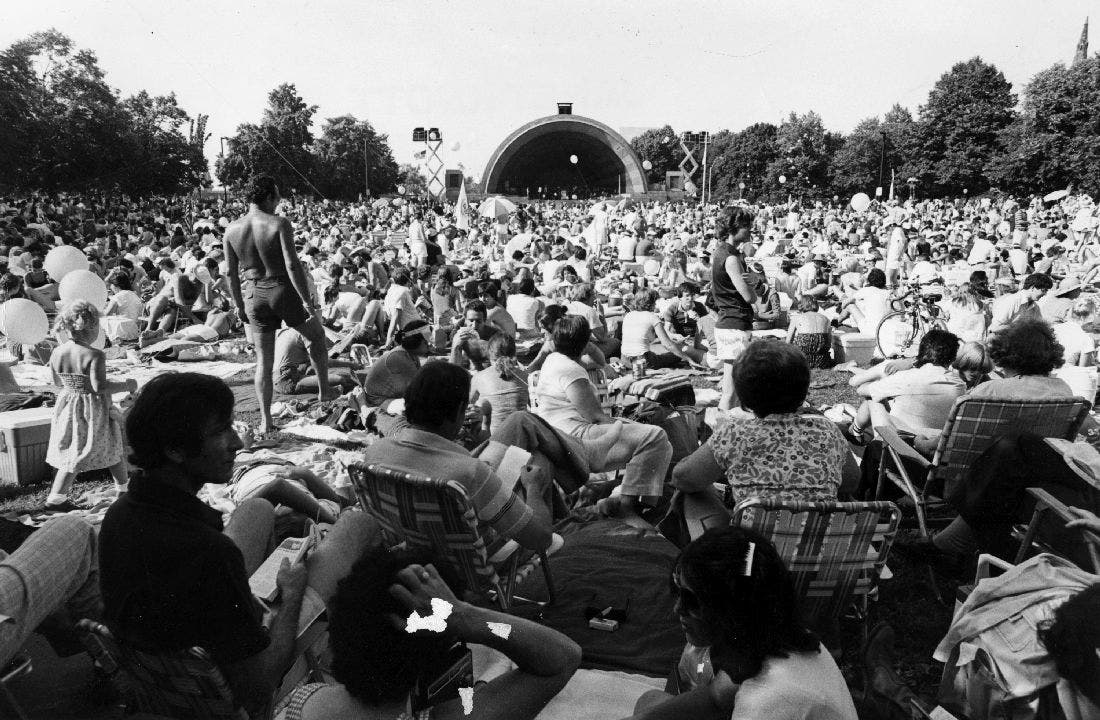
x,y
435,407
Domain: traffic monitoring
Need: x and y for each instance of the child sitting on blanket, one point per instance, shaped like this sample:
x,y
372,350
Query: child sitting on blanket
x,y
86,432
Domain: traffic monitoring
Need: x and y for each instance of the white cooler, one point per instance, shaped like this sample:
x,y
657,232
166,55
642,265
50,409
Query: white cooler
x,y
24,436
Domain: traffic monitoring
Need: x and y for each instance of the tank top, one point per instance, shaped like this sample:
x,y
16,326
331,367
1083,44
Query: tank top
x,y
734,313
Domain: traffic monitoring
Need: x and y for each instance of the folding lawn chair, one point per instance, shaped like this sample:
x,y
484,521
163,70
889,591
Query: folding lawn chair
x,y
1047,533
972,427
181,684
835,551
436,513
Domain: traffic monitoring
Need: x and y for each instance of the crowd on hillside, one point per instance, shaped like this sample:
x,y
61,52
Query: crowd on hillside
x,y
457,332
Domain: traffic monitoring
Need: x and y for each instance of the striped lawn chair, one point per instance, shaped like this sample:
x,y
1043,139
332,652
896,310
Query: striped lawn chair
x,y
181,684
834,550
972,427
436,514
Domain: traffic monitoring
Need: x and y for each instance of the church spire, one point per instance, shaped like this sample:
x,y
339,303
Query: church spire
x,y
1082,45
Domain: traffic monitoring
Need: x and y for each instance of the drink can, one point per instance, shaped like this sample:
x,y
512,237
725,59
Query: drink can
x,y
639,368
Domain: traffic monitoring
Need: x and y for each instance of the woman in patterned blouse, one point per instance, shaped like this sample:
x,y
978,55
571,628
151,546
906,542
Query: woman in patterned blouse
x,y
771,448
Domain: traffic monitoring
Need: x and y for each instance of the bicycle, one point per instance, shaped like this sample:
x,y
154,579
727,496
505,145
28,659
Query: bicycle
x,y
899,333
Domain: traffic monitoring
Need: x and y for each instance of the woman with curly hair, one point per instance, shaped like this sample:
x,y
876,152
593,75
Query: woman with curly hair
x,y
1025,354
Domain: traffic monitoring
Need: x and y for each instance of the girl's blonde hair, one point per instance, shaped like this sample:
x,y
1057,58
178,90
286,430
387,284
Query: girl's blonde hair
x,y
973,363
78,319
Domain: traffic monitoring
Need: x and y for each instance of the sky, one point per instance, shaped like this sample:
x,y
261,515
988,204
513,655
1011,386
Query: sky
x,y
479,70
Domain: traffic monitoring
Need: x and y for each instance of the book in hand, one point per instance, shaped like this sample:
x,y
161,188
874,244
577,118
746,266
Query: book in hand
x,y
263,581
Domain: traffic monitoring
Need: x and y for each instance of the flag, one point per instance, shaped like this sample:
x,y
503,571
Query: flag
x,y
420,155
462,208
1082,45
891,184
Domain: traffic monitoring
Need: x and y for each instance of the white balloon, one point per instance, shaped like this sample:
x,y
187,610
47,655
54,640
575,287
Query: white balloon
x,y
202,274
24,321
573,159
860,202
456,147
83,285
62,260
647,165
782,179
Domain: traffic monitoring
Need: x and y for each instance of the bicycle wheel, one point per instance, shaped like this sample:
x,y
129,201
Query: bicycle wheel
x,y
899,334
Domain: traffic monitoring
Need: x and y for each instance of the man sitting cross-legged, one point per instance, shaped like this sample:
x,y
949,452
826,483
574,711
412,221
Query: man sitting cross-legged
x,y
171,578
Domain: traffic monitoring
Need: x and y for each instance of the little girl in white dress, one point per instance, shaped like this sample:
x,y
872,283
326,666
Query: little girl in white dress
x,y
86,433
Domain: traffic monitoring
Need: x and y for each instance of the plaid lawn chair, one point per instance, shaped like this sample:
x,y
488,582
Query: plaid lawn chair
x,y
437,514
182,684
1047,533
833,550
972,427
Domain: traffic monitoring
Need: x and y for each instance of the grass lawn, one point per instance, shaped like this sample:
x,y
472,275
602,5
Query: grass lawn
x,y
906,601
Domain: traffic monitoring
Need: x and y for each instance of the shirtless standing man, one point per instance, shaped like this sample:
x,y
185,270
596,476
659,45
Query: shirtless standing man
x,y
275,290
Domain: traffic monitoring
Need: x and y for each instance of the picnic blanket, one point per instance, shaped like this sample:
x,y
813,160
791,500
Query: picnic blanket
x,y
606,560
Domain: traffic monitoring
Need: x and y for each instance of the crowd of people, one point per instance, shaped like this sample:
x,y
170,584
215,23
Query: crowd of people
x,y
461,332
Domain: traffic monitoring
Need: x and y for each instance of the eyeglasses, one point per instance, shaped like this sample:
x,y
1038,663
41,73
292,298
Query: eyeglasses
x,y
689,601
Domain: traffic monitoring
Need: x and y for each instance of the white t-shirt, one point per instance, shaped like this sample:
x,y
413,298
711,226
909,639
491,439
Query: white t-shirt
x,y
639,332
626,245
399,301
1074,339
129,304
587,312
557,374
524,310
801,686
980,252
923,272
874,303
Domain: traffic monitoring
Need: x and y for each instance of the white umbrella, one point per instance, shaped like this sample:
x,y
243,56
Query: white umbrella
x,y
496,208
1055,196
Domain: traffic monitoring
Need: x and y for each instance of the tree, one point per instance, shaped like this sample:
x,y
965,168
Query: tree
x,y
1056,140
960,126
855,166
161,157
63,127
340,160
742,157
416,185
803,152
280,146
661,147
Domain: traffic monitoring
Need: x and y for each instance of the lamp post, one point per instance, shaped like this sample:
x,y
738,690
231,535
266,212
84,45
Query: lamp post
x,y
881,164
741,190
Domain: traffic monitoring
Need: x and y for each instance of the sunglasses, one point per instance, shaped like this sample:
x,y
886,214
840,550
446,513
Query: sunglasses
x,y
689,601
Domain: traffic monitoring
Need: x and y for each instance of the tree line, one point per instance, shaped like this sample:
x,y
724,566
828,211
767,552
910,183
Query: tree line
x,y
970,136
63,127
